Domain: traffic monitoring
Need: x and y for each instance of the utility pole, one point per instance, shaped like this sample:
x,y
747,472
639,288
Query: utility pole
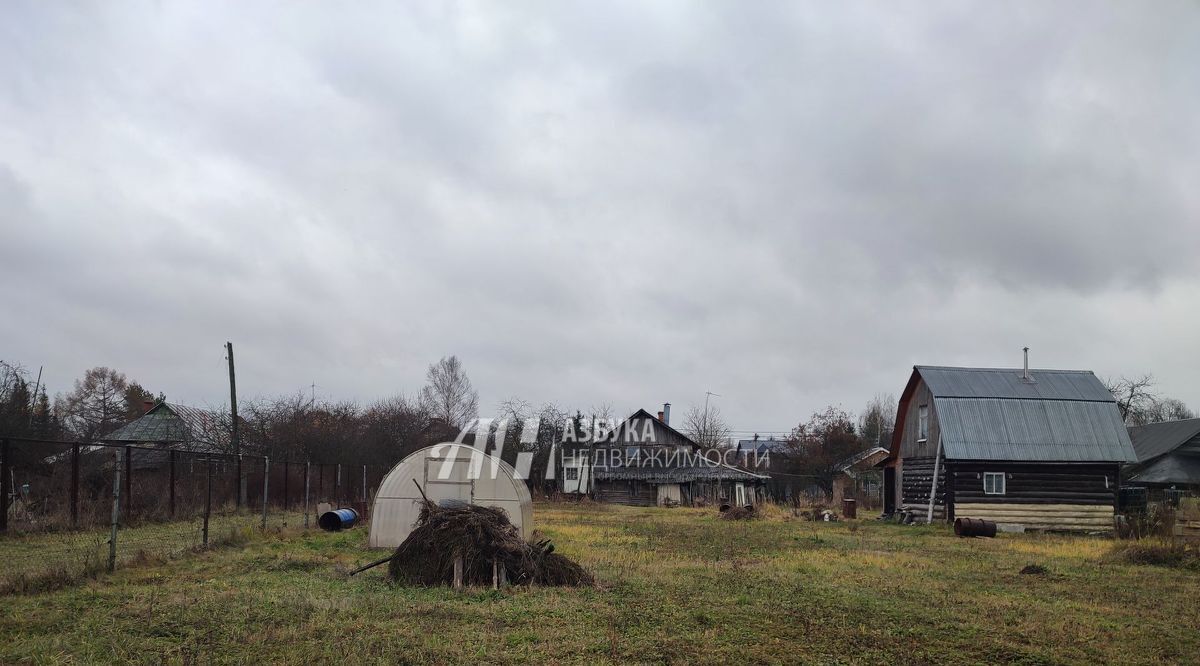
x,y
34,399
707,430
237,442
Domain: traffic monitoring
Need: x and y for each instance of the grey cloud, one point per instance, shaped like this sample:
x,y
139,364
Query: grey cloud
x,y
784,203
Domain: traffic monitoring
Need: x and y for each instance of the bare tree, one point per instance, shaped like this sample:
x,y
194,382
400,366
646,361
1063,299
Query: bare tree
x,y
816,446
1172,409
603,420
448,394
706,426
514,413
391,429
1140,404
878,420
1135,396
96,406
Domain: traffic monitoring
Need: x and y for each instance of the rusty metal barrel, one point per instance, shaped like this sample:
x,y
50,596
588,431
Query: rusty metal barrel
x,y
849,508
974,527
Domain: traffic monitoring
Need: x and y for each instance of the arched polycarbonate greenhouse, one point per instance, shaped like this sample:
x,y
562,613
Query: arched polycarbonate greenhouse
x,y
446,472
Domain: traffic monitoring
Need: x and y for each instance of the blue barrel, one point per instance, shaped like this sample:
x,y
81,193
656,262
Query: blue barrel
x,y
338,519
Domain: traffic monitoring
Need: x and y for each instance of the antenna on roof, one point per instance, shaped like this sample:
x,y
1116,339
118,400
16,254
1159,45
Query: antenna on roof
x,y
1026,376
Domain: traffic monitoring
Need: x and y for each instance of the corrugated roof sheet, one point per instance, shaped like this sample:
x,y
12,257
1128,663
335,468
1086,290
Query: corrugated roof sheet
x,y
1008,383
1174,468
159,425
676,474
1008,429
170,423
995,414
1155,439
851,461
761,445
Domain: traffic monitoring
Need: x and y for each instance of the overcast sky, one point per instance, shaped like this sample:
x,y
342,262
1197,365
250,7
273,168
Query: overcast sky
x,y
788,204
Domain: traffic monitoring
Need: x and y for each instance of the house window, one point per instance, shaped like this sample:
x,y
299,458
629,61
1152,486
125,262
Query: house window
x,y
922,423
993,483
571,473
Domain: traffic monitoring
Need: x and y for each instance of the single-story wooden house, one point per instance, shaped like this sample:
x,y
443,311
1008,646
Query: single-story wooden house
x,y
1168,454
644,461
168,426
1037,448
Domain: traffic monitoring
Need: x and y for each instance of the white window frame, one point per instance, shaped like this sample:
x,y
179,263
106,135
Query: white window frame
x,y
922,423
994,475
570,473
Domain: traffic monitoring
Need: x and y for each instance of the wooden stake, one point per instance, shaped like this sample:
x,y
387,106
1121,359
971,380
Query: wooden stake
x,y
458,572
420,490
116,510
498,574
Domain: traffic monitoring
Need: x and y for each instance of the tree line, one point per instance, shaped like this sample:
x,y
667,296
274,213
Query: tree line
x,y
303,428
294,427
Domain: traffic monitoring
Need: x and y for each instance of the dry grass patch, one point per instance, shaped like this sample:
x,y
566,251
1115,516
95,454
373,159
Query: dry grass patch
x,y
675,585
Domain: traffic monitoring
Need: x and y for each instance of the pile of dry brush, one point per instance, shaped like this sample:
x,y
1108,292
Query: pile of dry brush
x,y
1157,552
481,536
738,512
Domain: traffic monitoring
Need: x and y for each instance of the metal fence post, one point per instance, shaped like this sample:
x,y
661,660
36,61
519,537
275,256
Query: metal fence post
x,y
5,491
172,482
285,484
128,482
116,508
75,485
307,468
337,486
208,500
266,483
364,487
241,485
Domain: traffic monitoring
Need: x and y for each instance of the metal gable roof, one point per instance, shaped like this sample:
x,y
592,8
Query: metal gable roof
x,y
997,414
1008,429
853,460
720,472
1175,468
771,445
622,435
1154,439
1008,383
171,423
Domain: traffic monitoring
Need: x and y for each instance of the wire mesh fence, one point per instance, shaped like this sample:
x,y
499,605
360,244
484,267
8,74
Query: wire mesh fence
x,y
71,509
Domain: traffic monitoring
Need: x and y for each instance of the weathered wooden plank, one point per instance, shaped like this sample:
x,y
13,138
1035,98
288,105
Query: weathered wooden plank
x,y
1017,515
1019,495
1038,508
1049,522
1031,521
973,498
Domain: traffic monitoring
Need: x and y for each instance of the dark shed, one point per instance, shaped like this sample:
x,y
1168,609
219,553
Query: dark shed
x,y
1168,454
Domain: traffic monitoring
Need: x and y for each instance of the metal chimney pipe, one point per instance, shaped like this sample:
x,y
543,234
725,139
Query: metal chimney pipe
x,y
667,413
1026,364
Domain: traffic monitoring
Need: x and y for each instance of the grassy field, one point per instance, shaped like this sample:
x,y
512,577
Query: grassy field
x,y
46,559
677,585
